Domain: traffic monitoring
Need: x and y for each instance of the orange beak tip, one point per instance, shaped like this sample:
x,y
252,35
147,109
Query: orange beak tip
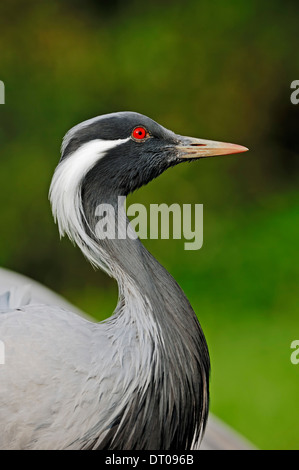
x,y
238,149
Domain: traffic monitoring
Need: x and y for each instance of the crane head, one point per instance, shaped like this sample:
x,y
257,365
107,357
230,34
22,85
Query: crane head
x,y
131,149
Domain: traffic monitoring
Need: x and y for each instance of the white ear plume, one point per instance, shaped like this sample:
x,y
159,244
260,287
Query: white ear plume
x,y
65,194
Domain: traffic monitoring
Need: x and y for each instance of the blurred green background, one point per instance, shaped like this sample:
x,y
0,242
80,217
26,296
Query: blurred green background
x,y
216,70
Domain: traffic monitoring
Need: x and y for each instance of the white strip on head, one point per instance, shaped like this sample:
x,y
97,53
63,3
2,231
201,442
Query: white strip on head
x,y
65,191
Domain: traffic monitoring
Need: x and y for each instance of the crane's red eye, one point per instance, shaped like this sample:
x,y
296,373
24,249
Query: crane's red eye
x,y
139,133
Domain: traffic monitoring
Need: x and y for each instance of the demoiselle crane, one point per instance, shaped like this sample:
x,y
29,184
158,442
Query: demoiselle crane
x,y
139,380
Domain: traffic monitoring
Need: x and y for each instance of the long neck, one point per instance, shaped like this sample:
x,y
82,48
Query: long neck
x,y
160,311
137,272
154,306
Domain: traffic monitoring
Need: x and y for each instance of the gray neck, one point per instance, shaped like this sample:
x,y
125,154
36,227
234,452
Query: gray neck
x,y
183,369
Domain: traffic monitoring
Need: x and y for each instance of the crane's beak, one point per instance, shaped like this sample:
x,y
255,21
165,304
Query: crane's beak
x,y
190,147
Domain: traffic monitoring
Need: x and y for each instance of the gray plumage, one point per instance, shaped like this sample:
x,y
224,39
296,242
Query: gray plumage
x,y
139,380
217,436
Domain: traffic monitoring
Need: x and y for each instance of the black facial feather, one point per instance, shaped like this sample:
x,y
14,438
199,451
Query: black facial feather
x,y
129,165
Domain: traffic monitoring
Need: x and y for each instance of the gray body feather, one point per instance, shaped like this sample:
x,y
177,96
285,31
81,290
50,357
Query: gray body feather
x,y
68,383
218,436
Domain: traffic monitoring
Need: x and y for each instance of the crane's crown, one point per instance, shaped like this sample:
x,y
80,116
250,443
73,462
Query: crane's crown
x,y
113,127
